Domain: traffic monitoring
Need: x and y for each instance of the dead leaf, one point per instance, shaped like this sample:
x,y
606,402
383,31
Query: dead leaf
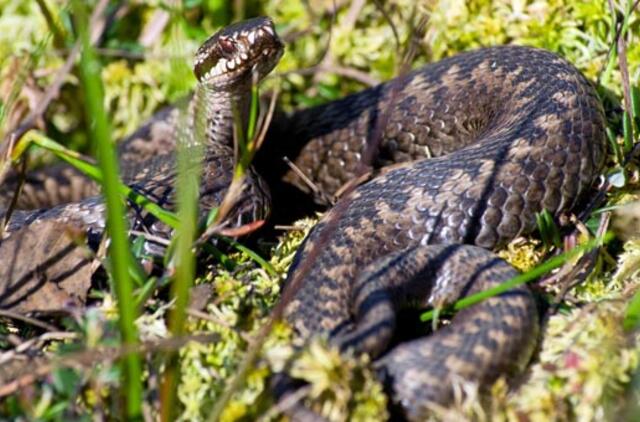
x,y
43,268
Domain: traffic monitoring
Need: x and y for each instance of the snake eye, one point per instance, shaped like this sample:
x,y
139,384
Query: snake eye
x,y
227,47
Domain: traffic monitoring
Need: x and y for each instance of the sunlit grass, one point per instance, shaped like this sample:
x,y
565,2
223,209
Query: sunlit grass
x,y
191,143
119,251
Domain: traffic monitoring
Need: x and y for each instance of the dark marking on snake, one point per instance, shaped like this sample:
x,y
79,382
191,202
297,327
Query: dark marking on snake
x,y
473,147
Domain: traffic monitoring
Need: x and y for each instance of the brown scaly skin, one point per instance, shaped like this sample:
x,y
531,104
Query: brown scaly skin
x,y
494,338
513,130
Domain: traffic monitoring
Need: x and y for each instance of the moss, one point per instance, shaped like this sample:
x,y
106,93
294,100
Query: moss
x,y
584,363
242,301
366,43
22,27
284,251
341,387
628,267
524,254
132,93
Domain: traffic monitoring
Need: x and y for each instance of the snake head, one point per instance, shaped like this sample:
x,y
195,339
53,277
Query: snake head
x,y
233,54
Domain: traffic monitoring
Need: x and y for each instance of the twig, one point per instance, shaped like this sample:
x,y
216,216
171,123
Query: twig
x,y
89,357
284,227
327,61
265,121
317,191
289,36
35,322
624,73
25,345
347,72
150,237
387,17
154,27
353,13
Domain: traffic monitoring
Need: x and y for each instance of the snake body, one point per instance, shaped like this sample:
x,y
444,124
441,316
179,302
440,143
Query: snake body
x,y
510,131
465,152
226,66
242,52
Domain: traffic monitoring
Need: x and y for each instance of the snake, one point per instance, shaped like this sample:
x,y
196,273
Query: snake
x,y
225,67
461,155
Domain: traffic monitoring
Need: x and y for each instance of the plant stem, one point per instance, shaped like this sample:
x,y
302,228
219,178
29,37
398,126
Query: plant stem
x,y
527,277
115,213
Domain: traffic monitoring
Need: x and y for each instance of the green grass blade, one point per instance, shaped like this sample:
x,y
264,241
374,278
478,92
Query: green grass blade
x,y
548,230
253,114
119,251
73,158
627,132
527,277
615,147
188,182
635,104
190,150
257,258
632,314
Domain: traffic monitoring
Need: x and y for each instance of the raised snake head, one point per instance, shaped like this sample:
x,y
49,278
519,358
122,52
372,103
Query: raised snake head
x,y
236,53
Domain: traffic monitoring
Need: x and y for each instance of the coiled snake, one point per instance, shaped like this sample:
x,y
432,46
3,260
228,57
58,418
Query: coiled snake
x,y
481,142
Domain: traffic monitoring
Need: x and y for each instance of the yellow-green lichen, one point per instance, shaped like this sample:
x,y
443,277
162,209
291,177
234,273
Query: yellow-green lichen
x,y
340,387
524,254
585,361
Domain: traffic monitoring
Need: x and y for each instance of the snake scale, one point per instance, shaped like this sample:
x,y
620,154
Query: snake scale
x,y
468,150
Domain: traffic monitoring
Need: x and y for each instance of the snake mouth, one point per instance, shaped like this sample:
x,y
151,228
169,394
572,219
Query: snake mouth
x,y
234,53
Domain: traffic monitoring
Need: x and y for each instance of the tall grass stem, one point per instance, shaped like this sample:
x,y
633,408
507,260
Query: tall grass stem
x,y
115,212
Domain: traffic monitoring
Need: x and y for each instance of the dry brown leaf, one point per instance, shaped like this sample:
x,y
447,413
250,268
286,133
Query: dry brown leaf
x,y
43,269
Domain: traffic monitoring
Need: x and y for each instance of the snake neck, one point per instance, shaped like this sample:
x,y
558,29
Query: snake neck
x,y
216,112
